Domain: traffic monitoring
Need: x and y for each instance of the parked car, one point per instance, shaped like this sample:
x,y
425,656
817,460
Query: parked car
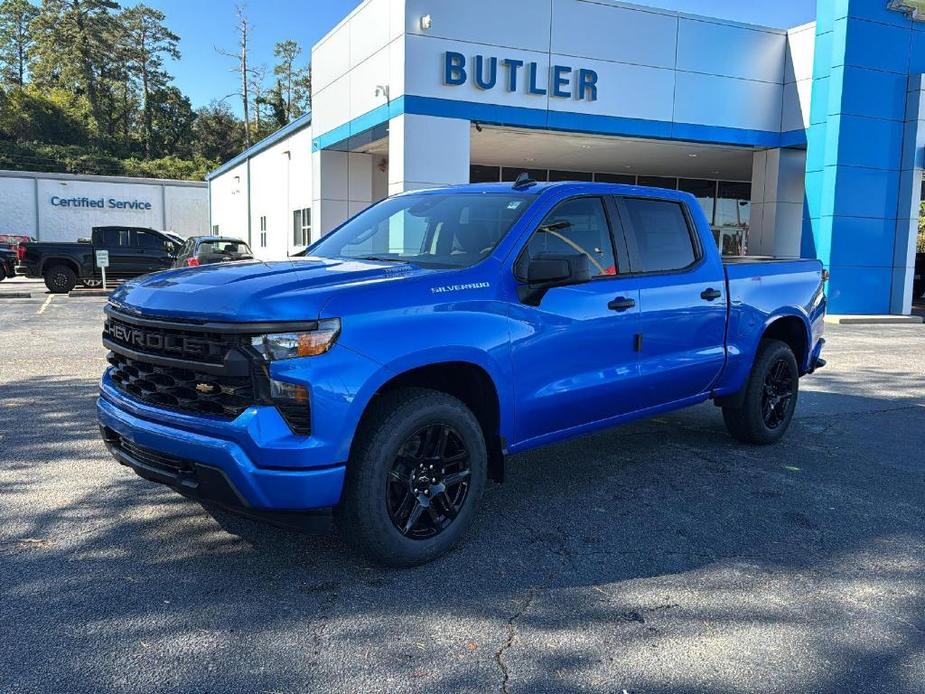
x,y
133,251
389,372
205,250
8,260
14,242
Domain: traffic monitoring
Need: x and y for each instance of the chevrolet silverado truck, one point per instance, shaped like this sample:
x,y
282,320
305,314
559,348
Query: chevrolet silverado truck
x,y
386,374
133,251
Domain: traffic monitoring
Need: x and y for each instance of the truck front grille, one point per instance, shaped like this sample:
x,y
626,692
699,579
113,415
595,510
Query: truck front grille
x,y
174,342
182,389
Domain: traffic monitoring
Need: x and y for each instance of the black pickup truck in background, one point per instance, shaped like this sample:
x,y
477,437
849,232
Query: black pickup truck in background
x,y
133,251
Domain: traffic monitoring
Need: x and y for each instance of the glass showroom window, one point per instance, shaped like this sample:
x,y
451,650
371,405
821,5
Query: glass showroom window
x,y
302,227
704,191
733,213
263,232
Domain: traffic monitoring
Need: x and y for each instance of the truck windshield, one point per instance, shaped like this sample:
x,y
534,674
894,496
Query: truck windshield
x,y
452,230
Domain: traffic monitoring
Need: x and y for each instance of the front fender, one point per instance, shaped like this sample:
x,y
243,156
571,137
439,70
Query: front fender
x,y
431,356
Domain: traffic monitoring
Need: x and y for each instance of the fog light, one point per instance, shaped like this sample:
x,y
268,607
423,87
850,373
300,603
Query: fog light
x,y
292,402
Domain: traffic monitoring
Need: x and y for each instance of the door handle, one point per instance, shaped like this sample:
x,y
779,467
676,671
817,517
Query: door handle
x,y
621,303
710,294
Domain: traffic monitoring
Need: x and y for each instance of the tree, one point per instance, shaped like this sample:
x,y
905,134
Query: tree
x,y
146,43
172,118
302,91
286,52
217,134
258,94
16,39
33,115
242,67
73,47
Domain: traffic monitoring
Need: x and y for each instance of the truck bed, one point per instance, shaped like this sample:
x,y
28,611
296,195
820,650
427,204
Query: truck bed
x,y
762,287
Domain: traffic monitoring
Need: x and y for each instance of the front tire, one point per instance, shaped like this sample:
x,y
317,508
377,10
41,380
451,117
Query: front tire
x,y
60,279
770,398
414,478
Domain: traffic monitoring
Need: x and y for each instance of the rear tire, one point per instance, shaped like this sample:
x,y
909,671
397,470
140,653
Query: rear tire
x,y
414,478
770,396
60,279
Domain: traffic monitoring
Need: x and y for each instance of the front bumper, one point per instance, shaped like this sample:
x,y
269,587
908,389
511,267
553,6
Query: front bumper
x,y
210,466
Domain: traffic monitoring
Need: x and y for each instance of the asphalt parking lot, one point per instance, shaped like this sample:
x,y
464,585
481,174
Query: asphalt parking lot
x,y
661,557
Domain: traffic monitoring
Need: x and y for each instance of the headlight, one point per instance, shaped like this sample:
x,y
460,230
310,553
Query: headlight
x,y
276,346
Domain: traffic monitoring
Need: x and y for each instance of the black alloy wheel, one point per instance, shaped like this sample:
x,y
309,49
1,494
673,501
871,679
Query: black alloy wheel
x,y
778,391
414,479
763,410
428,482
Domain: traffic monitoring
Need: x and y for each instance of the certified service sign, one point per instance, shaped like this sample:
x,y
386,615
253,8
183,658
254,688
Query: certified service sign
x,y
914,8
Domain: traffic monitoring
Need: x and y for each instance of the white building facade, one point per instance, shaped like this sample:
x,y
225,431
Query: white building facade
x,y
409,94
64,207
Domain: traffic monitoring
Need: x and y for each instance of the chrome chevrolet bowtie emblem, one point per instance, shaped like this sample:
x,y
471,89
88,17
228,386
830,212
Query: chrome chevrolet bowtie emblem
x,y
205,388
914,8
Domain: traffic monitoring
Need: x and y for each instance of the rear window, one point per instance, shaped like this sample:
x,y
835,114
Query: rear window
x,y
223,248
663,238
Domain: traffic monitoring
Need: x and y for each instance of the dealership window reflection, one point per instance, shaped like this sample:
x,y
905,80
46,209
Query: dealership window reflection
x,y
733,214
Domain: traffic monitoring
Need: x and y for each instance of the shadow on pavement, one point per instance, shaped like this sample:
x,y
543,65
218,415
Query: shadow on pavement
x,y
664,554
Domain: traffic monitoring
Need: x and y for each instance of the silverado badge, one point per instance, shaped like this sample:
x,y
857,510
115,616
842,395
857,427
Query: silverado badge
x,y
206,388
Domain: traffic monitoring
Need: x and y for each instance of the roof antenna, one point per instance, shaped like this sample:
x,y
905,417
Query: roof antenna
x,y
523,181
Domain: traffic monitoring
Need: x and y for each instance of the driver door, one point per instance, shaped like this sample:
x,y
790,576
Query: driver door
x,y
574,355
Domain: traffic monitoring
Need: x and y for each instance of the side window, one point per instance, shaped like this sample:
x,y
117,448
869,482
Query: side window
x,y
662,235
117,238
582,228
149,242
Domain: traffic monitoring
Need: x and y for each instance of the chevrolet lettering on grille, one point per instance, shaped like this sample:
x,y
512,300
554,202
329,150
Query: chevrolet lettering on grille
x,y
155,341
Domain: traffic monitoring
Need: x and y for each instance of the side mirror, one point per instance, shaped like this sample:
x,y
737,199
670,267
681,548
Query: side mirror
x,y
553,270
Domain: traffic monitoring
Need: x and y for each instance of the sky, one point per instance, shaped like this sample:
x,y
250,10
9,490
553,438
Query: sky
x,y
204,25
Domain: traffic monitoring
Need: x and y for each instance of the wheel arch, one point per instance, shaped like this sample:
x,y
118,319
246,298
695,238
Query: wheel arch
x,y
48,263
470,382
792,329
788,325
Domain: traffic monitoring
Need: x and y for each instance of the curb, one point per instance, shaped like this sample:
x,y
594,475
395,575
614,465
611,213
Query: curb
x,y
89,292
874,320
15,295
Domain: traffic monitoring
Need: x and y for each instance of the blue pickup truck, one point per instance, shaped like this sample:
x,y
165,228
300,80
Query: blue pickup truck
x,y
386,373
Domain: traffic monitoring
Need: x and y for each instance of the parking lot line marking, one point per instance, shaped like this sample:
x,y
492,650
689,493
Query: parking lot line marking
x,y
45,305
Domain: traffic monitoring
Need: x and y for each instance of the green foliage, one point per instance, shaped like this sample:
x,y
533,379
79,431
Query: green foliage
x,y
217,134
16,39
27,115
84,89
171,166
920,242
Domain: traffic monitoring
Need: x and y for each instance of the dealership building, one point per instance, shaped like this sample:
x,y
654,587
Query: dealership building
x,y
804,141
64,207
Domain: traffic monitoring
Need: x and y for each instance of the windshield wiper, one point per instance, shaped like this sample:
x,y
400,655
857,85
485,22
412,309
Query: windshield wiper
x,y
383,258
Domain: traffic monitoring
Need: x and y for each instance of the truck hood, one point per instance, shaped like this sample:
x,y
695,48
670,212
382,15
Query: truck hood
x,y
254,291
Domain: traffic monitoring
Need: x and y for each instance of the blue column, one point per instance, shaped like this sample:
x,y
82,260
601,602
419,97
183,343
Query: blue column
x,y
864,56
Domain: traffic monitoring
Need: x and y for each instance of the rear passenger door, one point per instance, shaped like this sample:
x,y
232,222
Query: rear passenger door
x,y
152,252
682,301
122,255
